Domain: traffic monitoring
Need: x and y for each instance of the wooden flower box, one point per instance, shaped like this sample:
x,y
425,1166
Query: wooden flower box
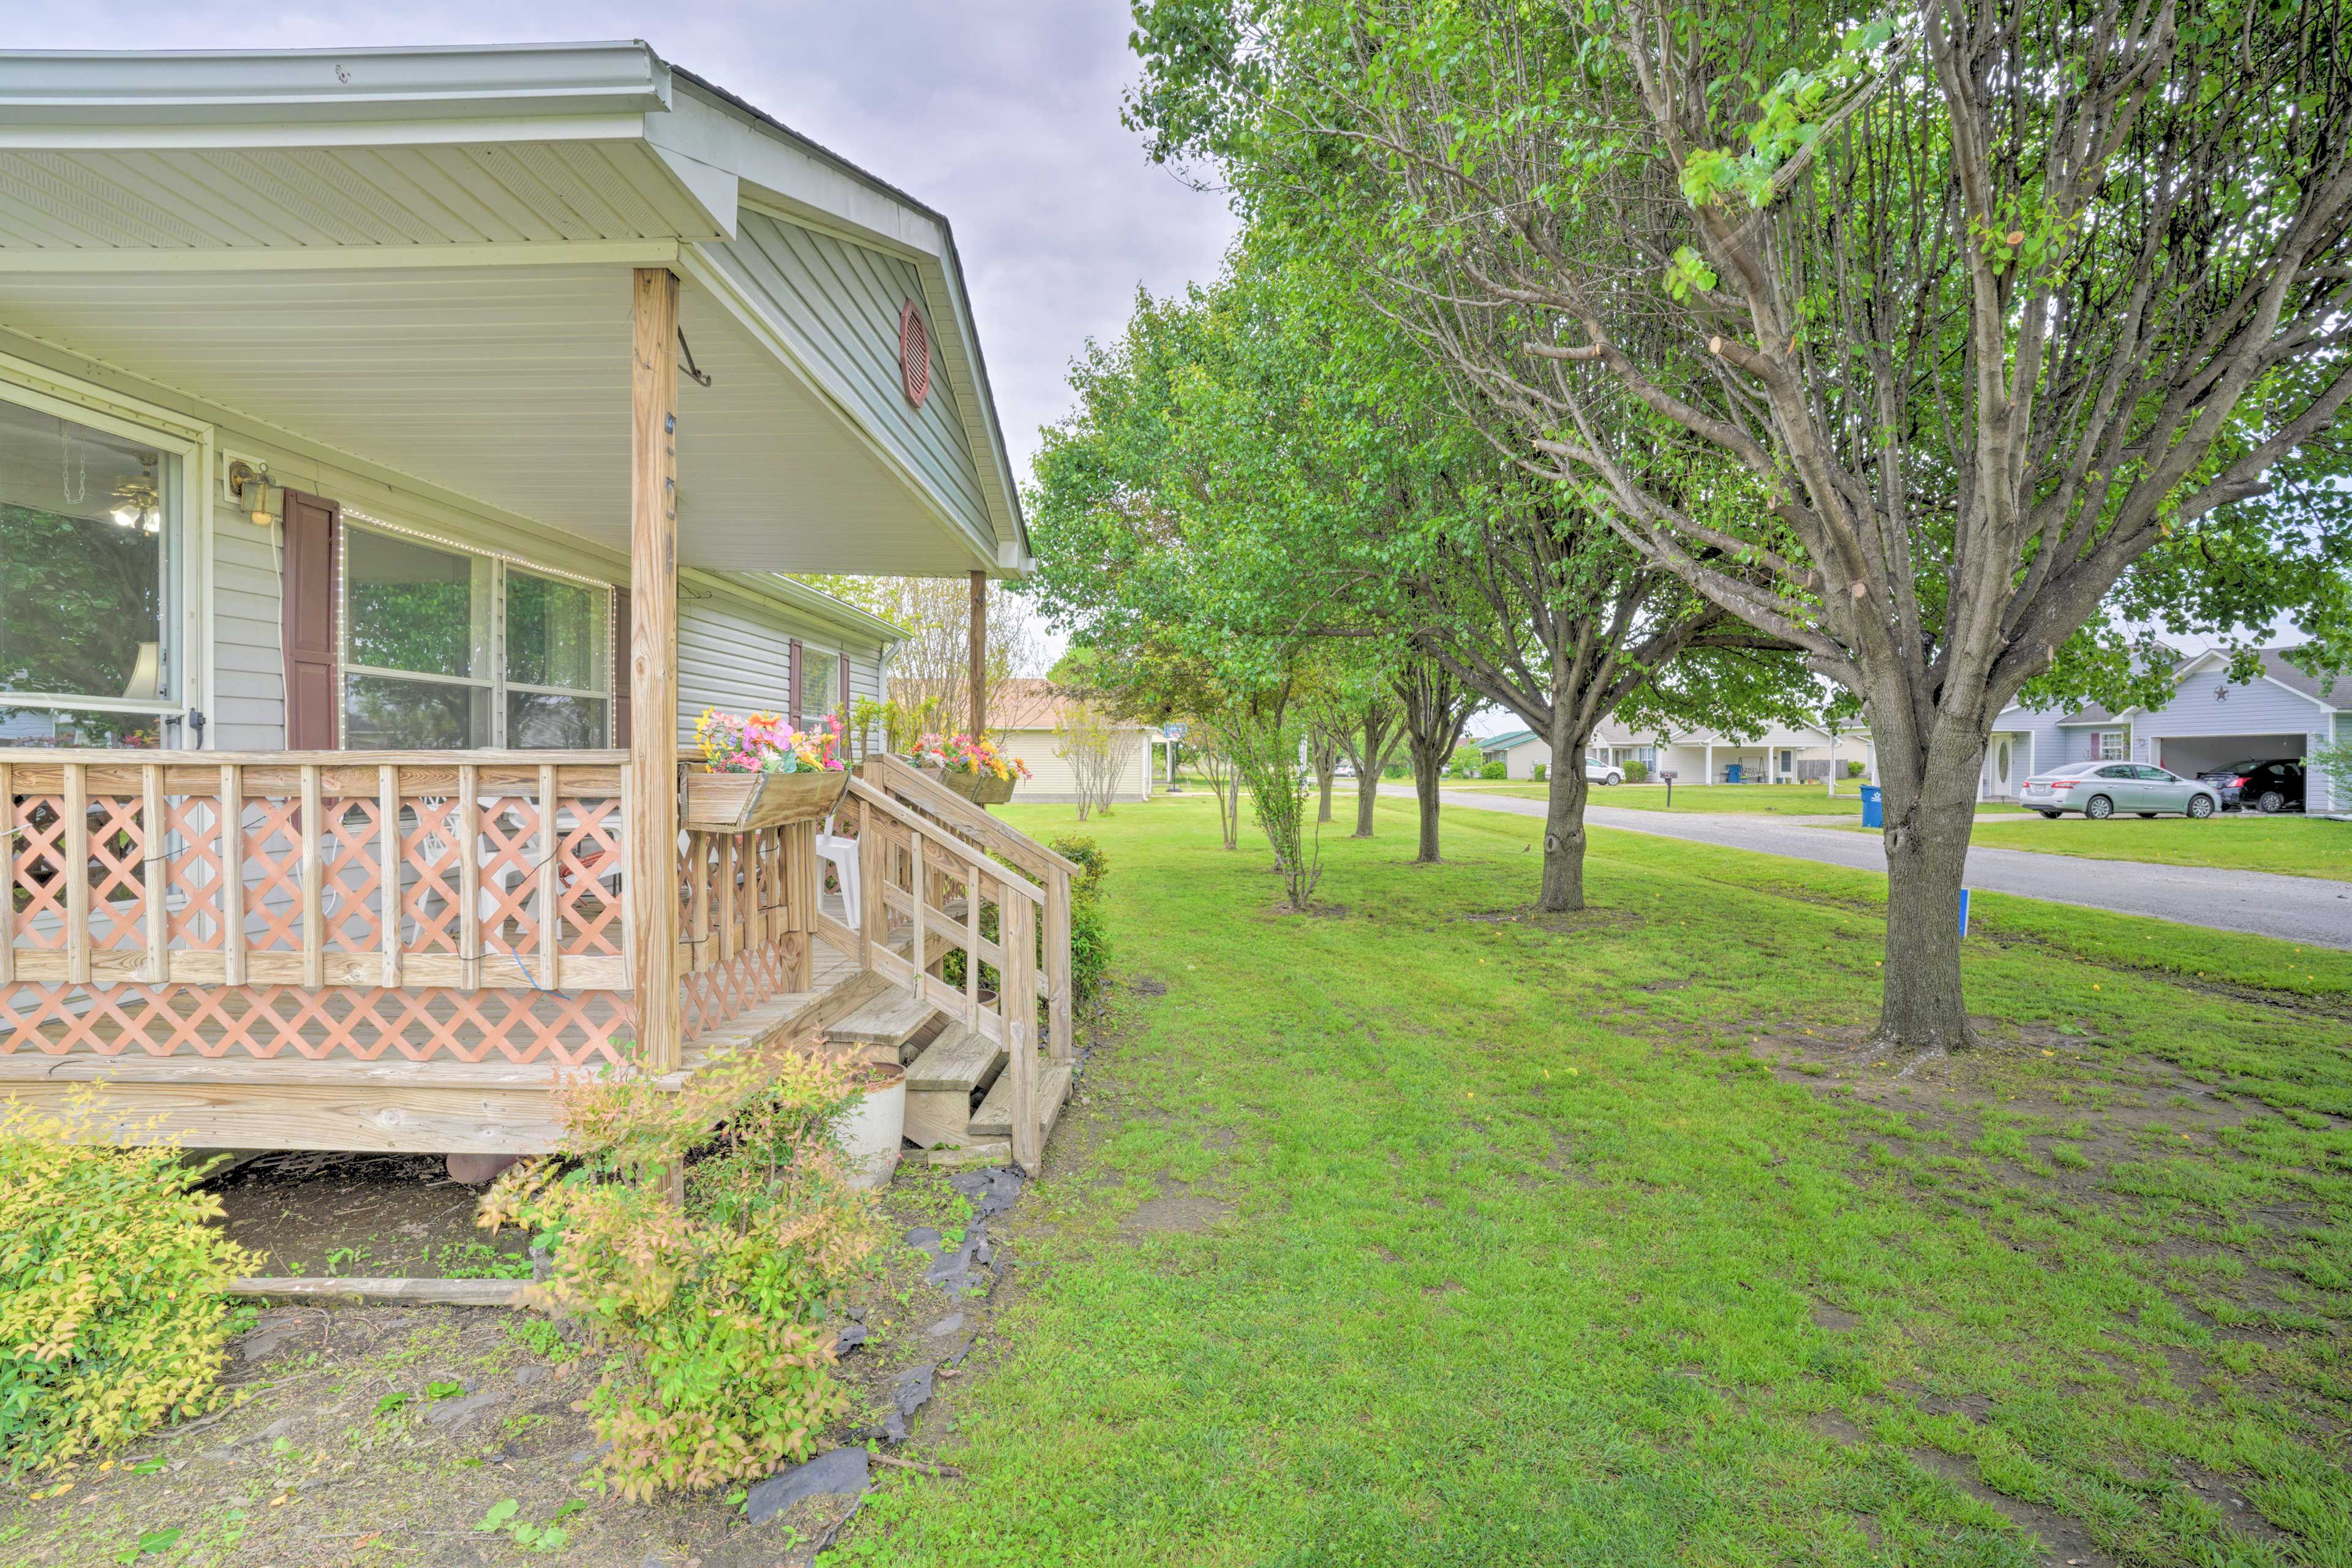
x,y
739,803
979,788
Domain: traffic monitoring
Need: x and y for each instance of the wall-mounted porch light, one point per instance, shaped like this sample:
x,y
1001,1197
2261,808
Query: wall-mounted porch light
x,y
249,484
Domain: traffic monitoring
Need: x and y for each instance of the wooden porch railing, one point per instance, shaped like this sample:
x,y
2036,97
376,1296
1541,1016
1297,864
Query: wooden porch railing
x,y
934,843
1049,872
917,875
364,904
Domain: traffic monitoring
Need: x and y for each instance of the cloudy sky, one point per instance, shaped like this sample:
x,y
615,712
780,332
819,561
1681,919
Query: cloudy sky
x,y
1004,116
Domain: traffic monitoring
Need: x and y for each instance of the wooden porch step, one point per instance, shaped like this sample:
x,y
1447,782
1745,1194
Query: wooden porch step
x,y
890,1019
994,1117
941,1085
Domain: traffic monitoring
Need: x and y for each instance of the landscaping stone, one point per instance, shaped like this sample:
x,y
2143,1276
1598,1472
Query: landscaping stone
x,y
955,1272
851,1336
945,1326
991,1190
914,1391
843,1472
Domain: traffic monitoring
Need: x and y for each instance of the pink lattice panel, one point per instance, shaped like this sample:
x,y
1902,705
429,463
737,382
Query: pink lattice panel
x,y
193,871
430,849
352,875
118,853
34,871
589,872
270,1021
510,856
273,901
716,997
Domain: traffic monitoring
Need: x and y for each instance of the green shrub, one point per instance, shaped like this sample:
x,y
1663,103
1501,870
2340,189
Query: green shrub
x,y
713,1314
1494,769
1396,770
111,1307
1541,772
1635,772
1089,927
1854,770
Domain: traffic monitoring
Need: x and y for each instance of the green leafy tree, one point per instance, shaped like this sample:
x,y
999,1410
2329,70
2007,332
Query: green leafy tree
x,y
1937,345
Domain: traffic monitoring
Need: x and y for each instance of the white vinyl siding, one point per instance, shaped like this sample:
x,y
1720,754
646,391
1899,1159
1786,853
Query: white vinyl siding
x,y
1051,777
840,303
734,653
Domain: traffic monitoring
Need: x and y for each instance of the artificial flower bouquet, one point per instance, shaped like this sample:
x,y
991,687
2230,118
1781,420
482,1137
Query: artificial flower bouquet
x,y
975,769
760,771
764,743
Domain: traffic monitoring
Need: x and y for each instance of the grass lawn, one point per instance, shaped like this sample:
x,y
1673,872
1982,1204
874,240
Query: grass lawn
x,y
2296,845
1422,1231
1776,800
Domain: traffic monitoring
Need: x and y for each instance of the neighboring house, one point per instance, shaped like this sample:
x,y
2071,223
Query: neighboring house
x,y
2211,720
1520,752
382,432
1780,753
1024,714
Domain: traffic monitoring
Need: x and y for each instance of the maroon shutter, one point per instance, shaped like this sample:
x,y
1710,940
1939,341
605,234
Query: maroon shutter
x,y
793,677
841,668
621,631
308,614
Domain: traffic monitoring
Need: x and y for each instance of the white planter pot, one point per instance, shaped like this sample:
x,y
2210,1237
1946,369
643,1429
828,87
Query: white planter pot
x,y
872,1134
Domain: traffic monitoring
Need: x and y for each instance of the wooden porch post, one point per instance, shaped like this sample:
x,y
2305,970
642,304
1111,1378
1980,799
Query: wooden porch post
x,y
979,638
653,665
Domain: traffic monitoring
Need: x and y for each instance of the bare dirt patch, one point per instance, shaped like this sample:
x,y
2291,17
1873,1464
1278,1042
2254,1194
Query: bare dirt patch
x,y
361,1213
2063,1540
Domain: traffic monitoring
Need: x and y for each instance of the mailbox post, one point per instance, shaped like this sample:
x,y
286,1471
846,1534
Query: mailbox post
x,y
1670,789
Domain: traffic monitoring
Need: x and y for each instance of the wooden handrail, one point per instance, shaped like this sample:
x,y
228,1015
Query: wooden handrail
x,y
1055,871
916,822
1016,847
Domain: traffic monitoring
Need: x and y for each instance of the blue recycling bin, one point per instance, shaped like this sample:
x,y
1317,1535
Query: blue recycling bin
x,y
1731,772
1874,808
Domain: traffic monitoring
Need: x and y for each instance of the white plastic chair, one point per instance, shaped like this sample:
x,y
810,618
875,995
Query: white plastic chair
x,y
842,853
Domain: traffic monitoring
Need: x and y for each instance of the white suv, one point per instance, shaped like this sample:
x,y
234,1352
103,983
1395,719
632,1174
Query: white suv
x,y
1604,774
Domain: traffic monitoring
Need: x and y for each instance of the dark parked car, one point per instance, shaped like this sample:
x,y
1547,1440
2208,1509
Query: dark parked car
x,y
2266,784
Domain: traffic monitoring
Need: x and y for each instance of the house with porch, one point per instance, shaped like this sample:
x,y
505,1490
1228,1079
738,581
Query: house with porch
x,y
1809,752
2284,712
399,448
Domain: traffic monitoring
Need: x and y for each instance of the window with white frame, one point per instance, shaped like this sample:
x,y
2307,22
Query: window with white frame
x,y
2114,744
820,682
91,546
444,649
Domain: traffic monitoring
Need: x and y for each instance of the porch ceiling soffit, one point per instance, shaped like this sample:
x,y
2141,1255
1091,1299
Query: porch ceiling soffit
x,y
508,388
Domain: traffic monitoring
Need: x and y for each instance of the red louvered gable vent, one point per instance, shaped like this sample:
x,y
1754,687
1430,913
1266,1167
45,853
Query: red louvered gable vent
x,y
914,353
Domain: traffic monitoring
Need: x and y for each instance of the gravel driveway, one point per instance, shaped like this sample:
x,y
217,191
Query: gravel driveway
x,y
2297,908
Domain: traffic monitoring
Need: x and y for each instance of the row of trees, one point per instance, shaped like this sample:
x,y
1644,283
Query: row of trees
x,y
1673,359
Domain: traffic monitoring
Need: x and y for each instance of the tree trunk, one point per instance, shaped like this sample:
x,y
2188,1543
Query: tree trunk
x,y
1564,864
1428,775
1234,811
1368,792
1323,779
1930,812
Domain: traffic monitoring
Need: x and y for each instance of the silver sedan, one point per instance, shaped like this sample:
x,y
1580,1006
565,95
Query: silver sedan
x,y
2100,790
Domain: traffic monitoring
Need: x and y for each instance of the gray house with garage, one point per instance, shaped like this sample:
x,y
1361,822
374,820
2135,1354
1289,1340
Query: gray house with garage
x,y
2284,712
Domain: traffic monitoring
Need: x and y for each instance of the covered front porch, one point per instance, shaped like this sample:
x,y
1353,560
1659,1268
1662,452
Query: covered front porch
x,y
568,341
